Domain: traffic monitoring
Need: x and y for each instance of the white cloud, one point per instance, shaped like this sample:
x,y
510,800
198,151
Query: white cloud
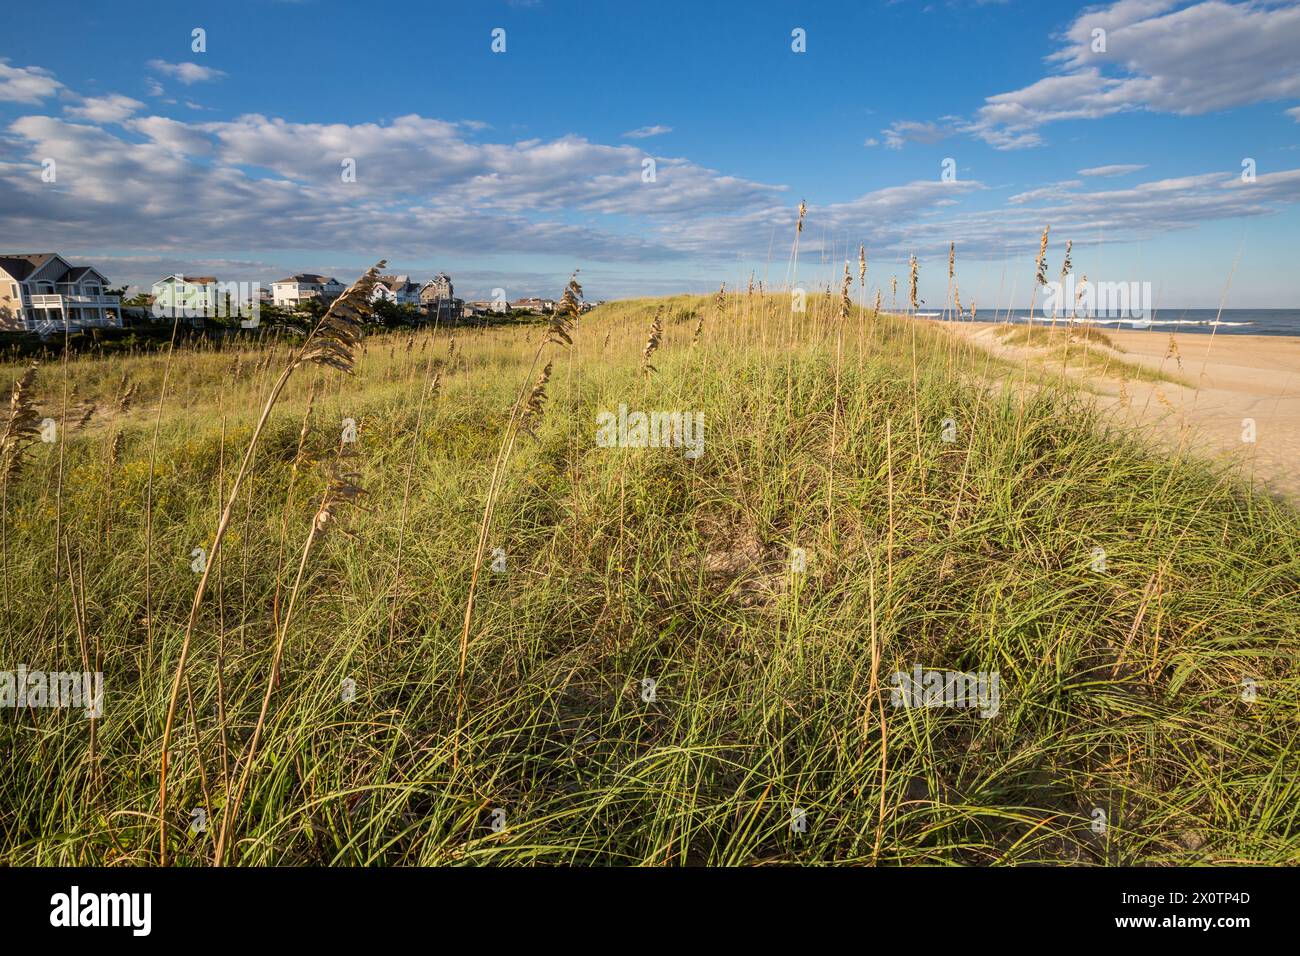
x,y
172,135
889,215
263,183
1054,191
187,73
904,131
1159,56
645,132
260,183
923,217
139,272
1118,169
112,108
423,156
1294,113
26,84
1140,212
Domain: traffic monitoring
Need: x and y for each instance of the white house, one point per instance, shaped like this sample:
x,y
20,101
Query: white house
x,y
42,291
303,286
397,289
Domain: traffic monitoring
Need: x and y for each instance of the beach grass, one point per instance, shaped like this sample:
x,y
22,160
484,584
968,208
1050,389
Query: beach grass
x,y
1086,349
680,660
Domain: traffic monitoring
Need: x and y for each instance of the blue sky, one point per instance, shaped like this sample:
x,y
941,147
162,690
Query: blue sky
x,y
510,169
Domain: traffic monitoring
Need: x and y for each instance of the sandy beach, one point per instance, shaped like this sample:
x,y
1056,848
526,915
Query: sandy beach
x,y
1226,380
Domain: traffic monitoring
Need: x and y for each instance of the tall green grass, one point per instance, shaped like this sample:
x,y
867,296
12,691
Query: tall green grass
x,y
1121,690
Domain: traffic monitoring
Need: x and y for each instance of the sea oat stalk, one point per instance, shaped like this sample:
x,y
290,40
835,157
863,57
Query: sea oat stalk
x,y
332,342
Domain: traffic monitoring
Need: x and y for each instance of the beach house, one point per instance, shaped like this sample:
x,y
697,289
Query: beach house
x,y
43,292
399,290
534,304
303,286
190,297
439,298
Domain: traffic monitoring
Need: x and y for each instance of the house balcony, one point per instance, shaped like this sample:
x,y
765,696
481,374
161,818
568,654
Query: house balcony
x,y
76,302
74,311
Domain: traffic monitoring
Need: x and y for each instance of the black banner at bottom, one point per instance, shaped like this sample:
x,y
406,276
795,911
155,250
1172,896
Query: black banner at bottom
x,y
342,907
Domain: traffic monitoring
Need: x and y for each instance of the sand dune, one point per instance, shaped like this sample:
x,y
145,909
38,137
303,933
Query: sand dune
x,y
1229,379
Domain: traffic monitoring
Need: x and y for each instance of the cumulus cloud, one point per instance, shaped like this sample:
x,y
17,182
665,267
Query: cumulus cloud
x,y
1157,55
112,108
1192,60
262,184
26,84
186,73
416,154
172,135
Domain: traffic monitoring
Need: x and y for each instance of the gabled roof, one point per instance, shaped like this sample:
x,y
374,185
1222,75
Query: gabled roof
x,y
23,266
190,280
397,283
20,265
77,273
309,278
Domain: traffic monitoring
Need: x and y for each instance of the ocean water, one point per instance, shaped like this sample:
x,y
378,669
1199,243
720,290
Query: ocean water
x,y
1230,321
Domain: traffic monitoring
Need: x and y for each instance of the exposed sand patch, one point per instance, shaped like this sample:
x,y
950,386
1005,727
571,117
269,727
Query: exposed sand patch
x,y
1231,378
